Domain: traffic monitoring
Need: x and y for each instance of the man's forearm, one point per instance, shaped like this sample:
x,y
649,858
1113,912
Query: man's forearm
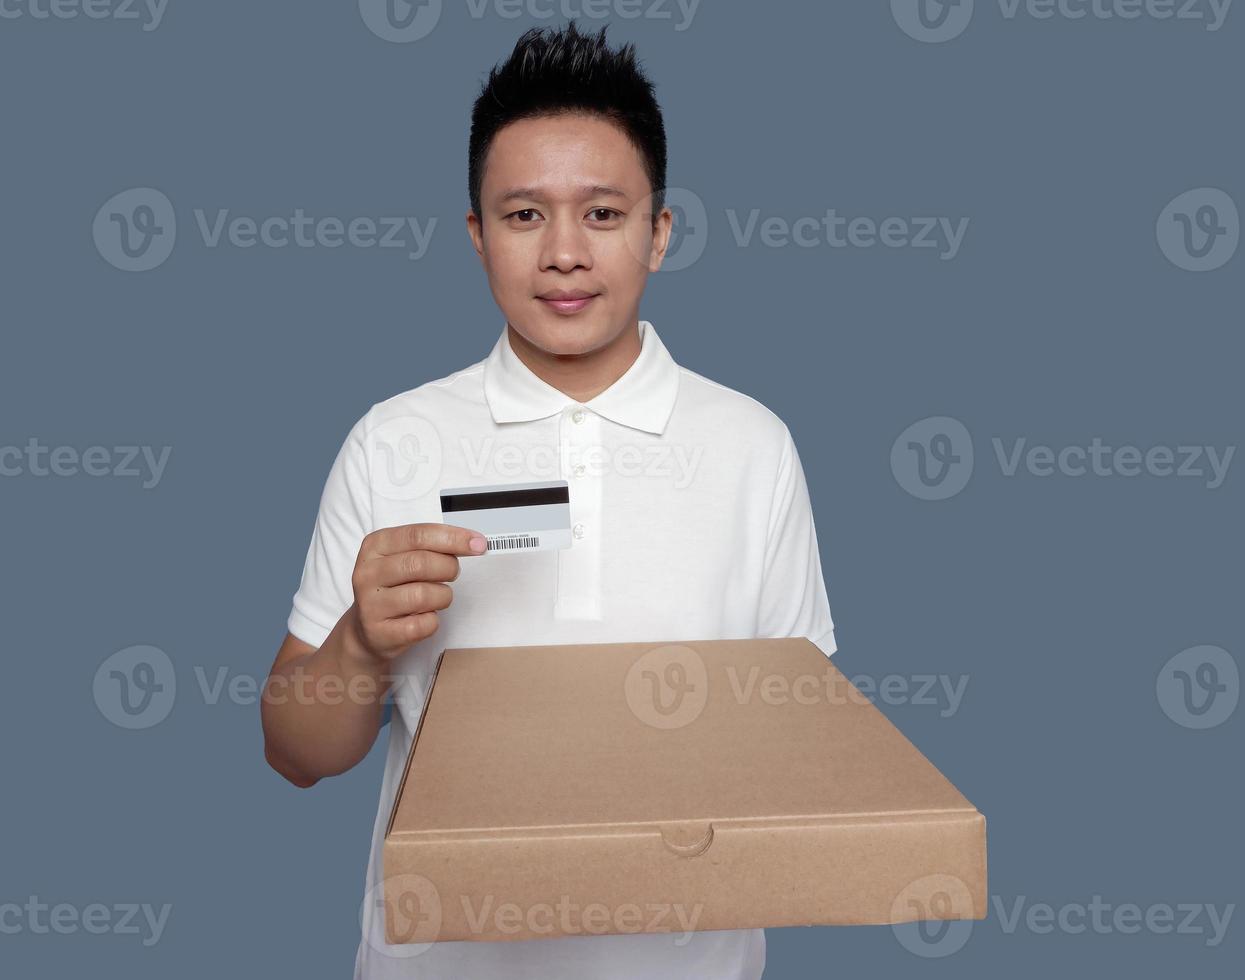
x,y
321,711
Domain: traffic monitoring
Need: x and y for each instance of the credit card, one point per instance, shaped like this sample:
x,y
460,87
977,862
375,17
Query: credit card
x,y
513,516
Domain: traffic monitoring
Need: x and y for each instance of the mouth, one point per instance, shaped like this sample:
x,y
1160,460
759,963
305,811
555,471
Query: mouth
x,y
567,303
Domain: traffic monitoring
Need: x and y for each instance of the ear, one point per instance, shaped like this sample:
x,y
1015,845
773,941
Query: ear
x,y
475,229
661,238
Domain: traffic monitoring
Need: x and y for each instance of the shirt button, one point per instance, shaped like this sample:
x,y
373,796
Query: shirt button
x,y
579,469
577,416
578,530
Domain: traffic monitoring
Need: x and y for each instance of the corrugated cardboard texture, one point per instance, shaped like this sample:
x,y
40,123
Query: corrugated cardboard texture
x,y
583,789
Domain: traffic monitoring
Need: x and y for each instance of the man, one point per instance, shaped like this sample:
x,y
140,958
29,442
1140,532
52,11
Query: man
x,y
691,517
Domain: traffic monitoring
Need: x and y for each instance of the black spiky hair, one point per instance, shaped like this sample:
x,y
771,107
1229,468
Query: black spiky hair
x,y
551,72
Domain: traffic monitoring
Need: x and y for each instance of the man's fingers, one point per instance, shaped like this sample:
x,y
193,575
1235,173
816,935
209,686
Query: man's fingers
x,y
448,539
406,630
412,566
412,598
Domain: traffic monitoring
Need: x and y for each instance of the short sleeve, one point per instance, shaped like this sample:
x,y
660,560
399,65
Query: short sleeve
x,y
344,519
793,593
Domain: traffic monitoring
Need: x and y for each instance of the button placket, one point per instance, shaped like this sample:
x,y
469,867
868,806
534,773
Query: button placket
x,y
579,566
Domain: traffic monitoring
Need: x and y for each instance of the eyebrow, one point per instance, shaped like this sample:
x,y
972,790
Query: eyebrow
x,y
535,193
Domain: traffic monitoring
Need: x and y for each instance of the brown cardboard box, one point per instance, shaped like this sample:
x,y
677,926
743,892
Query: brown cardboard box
x,y
667,787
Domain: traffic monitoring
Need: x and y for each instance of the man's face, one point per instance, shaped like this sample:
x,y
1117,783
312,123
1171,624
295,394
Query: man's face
x,y
567,210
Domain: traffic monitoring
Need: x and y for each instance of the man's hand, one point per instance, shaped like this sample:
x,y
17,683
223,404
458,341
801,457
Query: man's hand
x,y
399,583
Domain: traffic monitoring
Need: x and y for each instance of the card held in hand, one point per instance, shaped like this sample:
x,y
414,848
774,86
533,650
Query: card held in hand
x,y
514,517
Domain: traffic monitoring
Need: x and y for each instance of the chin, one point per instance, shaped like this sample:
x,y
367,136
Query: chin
x,y
565,336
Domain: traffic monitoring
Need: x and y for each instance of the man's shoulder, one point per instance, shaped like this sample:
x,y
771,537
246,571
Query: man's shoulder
x,y
432,399
723,407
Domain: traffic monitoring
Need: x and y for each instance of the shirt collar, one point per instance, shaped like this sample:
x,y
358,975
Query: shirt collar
x,y
642,398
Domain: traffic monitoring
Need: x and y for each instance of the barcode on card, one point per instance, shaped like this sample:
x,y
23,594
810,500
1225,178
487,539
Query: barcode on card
x,y
514,541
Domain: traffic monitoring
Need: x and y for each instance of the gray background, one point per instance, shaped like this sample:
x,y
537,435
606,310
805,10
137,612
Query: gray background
x,y
1059,320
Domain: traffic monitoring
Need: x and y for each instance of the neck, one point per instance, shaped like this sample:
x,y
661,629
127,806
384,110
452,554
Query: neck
x,y
580,376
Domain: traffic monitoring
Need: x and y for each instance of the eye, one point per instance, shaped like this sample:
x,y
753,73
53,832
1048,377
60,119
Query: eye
x,y
609,214
515,214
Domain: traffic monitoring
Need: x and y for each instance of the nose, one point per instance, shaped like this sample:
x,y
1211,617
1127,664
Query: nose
x,y
565,245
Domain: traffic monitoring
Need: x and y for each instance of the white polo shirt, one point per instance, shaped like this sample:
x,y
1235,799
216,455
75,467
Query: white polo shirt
x,y
691,521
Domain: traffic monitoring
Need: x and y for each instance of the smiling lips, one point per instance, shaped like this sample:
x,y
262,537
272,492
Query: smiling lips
x,y
567,301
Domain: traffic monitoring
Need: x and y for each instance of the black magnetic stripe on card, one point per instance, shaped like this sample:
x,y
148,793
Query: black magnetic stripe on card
x,y
492,499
